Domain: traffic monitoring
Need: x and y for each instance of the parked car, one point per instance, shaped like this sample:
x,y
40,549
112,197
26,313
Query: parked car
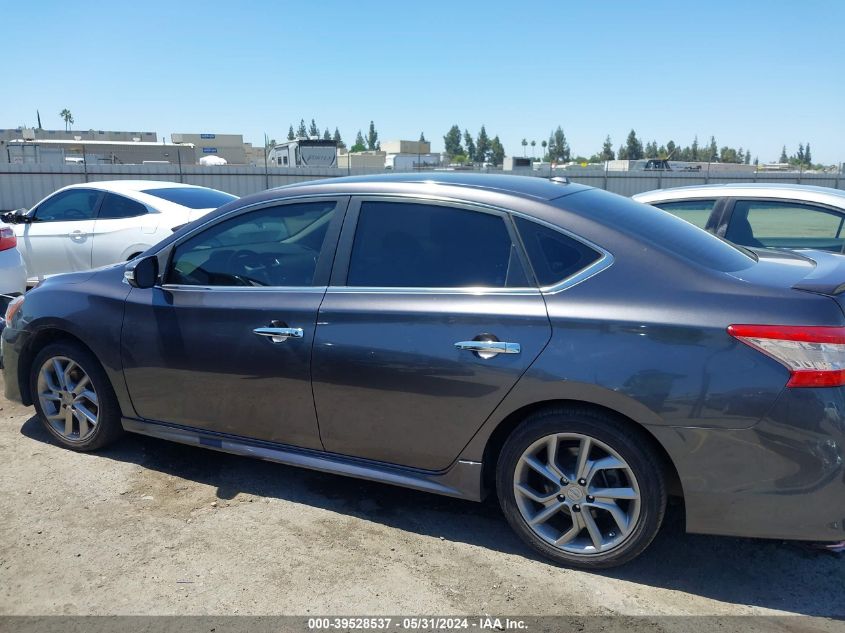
x,y
97,223
580,353
760,215
12,270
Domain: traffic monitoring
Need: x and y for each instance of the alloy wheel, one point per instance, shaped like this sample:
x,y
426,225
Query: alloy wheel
x,y
68,399
577,493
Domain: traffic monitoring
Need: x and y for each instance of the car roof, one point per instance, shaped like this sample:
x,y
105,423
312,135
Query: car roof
x,y
124,186
809,193
533,187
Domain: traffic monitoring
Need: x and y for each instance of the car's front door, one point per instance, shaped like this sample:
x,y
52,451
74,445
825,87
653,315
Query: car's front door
x,y
223,344
430,320
59,237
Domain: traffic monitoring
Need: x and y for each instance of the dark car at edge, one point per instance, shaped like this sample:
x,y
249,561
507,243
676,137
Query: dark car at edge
x,y
579,354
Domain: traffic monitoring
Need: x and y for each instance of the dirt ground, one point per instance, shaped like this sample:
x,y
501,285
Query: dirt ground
x,y
151,527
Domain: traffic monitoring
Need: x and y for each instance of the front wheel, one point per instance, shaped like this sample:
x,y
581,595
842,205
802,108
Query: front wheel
x,y
581,487
74,398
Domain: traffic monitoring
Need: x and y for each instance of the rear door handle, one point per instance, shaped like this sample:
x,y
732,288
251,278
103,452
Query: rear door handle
x,y
279,334
489,348
77,235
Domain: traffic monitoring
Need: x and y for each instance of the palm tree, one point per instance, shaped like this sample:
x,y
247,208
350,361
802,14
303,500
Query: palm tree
x,y
68,118
533,149
544,144
524,145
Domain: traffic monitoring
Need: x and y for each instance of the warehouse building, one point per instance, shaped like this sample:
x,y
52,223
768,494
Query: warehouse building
x,y
62,152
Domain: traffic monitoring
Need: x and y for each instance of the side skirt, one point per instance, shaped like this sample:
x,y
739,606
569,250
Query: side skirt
x,y
461,480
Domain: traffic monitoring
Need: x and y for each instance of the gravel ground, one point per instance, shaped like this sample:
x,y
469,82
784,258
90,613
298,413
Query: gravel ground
x,y
151,527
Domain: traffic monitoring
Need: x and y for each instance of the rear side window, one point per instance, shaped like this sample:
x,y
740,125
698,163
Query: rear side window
x,y
192,197
428,246
782,224
553,255
115,206
695,212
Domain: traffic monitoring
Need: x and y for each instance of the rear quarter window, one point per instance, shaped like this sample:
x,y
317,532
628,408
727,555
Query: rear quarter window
x,y
553,255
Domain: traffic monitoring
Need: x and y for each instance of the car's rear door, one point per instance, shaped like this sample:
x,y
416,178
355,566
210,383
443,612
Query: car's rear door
x,y
431,318
119,229
223,344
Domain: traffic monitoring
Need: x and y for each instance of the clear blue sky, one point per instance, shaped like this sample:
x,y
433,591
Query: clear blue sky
x,y
754,74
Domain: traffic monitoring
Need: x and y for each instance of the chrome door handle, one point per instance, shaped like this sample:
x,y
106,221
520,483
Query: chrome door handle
x,y
279,334
489,347
77,235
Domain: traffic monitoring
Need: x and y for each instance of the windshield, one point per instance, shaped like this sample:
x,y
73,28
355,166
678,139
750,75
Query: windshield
x,y
192,197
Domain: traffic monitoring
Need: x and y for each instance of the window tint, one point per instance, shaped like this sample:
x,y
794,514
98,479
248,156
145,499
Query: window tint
x,y
776,224
75,204
554,256
192,197
427,246
277,246
693,211
115,206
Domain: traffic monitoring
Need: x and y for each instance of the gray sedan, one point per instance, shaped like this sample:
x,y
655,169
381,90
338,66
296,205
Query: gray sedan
x,y
580,354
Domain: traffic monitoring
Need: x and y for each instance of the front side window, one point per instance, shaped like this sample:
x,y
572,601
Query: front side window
x,y
275,246
553,255
693,211
116,206
429,246
781,224
67,206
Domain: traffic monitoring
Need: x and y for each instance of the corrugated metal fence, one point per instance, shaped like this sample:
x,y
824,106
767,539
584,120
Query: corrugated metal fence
x,y
21,186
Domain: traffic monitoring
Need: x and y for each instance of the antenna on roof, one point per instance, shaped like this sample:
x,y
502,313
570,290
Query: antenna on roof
x,y
561,180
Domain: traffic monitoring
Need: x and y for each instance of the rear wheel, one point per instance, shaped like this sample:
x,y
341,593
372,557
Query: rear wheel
x,y
73,397
581,487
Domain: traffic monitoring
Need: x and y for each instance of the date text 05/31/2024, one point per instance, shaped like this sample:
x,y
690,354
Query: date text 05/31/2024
x,y
480,623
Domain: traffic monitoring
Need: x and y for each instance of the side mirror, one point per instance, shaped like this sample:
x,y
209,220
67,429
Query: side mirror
x,y
18,216
142,272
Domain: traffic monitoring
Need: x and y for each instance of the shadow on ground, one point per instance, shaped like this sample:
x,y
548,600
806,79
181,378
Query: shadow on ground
x,y
786,576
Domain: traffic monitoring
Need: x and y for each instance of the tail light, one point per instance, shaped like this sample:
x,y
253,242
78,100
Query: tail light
x,y
814,356
7,238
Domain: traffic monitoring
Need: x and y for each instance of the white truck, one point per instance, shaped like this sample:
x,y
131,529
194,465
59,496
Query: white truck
x,y
304,152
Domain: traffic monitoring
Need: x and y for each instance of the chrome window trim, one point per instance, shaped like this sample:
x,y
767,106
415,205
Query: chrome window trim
x,y
186,287
603,263
413,290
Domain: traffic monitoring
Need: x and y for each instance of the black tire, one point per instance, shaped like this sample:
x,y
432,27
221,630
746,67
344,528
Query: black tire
x,y
108,427
623,437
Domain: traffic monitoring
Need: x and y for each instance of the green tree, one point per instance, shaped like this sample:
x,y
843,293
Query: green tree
x,y
544,145
607,150
728,155
651,150
713,150
633,147
558,146
748,157
533,149
800,154
693,153
452,142
360,144
67,117
524,146
470,146
337,139
783,157
327,136
671,148
313,130
291,135
807,156
482,146
497,151
372,138
302,132
422,137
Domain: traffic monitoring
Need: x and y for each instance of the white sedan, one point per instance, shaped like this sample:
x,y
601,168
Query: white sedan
x,y
97,223
12,270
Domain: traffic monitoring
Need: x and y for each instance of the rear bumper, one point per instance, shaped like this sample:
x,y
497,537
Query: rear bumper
x,y
783,478
13,342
